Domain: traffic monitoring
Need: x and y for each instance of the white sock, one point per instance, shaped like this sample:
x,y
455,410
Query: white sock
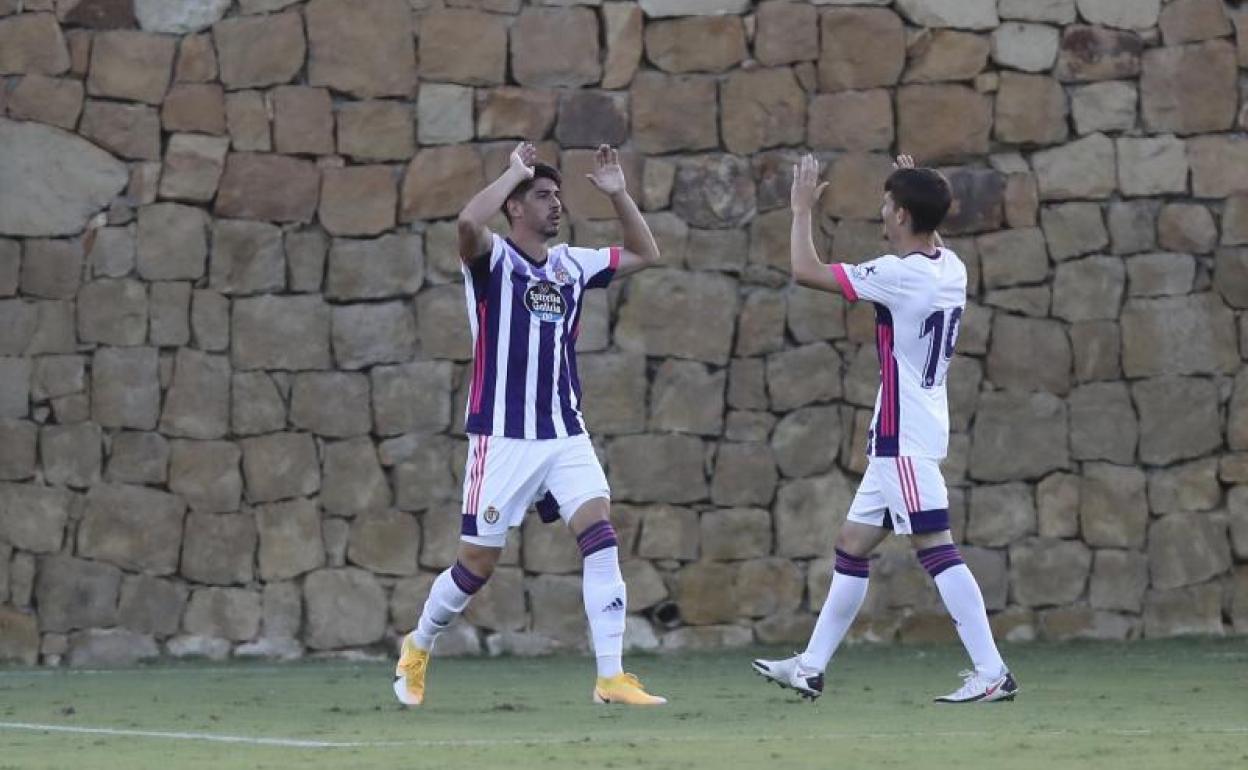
x,y
446,601
845,598
606,600
965,603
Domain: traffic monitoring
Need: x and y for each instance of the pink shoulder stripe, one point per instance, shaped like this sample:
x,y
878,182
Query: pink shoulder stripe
x,y
847,288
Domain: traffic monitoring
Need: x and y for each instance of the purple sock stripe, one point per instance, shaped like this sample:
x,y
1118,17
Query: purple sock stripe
x,y
467,582
599,536
855,566
937,560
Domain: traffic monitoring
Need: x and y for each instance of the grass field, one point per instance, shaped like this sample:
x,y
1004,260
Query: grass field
x,y
1143,705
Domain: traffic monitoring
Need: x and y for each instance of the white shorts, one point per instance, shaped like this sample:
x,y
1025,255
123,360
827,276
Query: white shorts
x,y
505,476
912,489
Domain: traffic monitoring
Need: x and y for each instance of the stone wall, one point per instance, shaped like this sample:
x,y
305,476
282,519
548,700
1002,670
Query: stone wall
x,y
234,428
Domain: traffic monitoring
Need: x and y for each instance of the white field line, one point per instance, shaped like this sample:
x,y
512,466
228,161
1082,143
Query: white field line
x,y
545,741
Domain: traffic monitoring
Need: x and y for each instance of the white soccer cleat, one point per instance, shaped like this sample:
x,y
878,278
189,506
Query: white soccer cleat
x,y
789,673
982,689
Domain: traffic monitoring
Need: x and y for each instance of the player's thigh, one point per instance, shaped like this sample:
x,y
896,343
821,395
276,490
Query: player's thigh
x,y
577,482
500,482
914,488
870,505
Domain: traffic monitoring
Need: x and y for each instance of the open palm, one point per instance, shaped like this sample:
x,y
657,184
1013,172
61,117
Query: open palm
x,y
608,177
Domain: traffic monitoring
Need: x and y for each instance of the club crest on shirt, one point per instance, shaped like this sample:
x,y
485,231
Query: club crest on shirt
x,y
491,515
562,276
545,301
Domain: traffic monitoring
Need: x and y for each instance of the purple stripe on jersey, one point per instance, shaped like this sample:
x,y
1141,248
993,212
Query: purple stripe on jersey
x,y
886,429
481,419
545,422
517,362
598,536
939,558
570,420
855,566
467,582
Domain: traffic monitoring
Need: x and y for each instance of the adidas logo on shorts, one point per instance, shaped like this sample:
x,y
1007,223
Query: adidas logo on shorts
x,y
616,605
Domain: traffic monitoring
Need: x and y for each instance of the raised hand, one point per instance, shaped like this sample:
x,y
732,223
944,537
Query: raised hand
x,y
523,158
904,161
608,177
806,185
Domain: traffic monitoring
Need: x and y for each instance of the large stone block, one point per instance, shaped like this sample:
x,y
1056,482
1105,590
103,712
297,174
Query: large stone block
x,y
223,613
1188,487
1030,109
110,648
975,14
696,43
197,404
1113,510
1103,423
1152,165
1218,164
440,323
280,465
439,181
411,397
1001,514
588,118
613,392
674,313
850,120
1048,572
19,637
51,268
170,307
553,47
706,593
32,42
1194,610
735,533
766,587
1186,228
358,200
1119,580
71,454
1026,47
247,120
290,539
786,33
515,113
463,45
172,242
687,398
1084,168
1187,548
219,549
1185,21
193,167
714,191
385,542
33,518
210,320
257,406
657,468
151,605
270,187
944,54
1089,289
674,112
805,375
1164,439
131,131
129,64
139,458
133,527
550,549
499,606
206,474
113,312
195,108
668,532
125,388
1018,436
1109,106
622,34
272,332
1018,343
745,474
389,266
1189,89
247,257
861,48
806,441
365,49
423,477
941,123
1013,257
1098,53
376,130
1178,335
75,593
345,608
763,108
354,482
807,513
558,612
260,50
349,391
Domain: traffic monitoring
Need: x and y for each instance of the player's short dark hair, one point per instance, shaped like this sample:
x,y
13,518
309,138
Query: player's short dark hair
x,y
924,192
540,171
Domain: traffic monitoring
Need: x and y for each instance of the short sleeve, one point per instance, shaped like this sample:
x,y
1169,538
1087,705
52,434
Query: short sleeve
x,y
876,281
599,265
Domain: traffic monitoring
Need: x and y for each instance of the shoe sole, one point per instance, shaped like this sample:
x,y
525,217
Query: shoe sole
x,y
400,692
1006,698
601,701
809,695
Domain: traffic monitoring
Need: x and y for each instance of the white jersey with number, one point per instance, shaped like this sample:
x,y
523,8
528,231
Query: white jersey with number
x,y
919,300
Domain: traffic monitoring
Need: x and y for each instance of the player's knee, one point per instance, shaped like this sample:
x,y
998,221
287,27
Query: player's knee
x,y
853,543
478,560
589,513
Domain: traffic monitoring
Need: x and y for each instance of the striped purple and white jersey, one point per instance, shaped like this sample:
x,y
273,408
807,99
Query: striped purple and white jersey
x,y
919,299
525,318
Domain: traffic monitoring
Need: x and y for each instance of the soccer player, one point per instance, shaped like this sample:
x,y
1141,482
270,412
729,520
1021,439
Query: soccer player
x,y
526,436
919,293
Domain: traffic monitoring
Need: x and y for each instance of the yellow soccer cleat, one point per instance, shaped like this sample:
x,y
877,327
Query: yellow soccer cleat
x,y
409,675
624,688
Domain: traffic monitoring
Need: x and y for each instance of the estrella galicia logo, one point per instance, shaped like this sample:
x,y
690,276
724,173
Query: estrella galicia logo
x,y
544,300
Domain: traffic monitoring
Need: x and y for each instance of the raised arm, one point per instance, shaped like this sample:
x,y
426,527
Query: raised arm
x,y
474,236
640,249
803,259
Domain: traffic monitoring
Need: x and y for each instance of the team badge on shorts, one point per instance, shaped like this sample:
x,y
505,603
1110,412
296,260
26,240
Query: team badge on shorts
x,y
544,300
491,515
